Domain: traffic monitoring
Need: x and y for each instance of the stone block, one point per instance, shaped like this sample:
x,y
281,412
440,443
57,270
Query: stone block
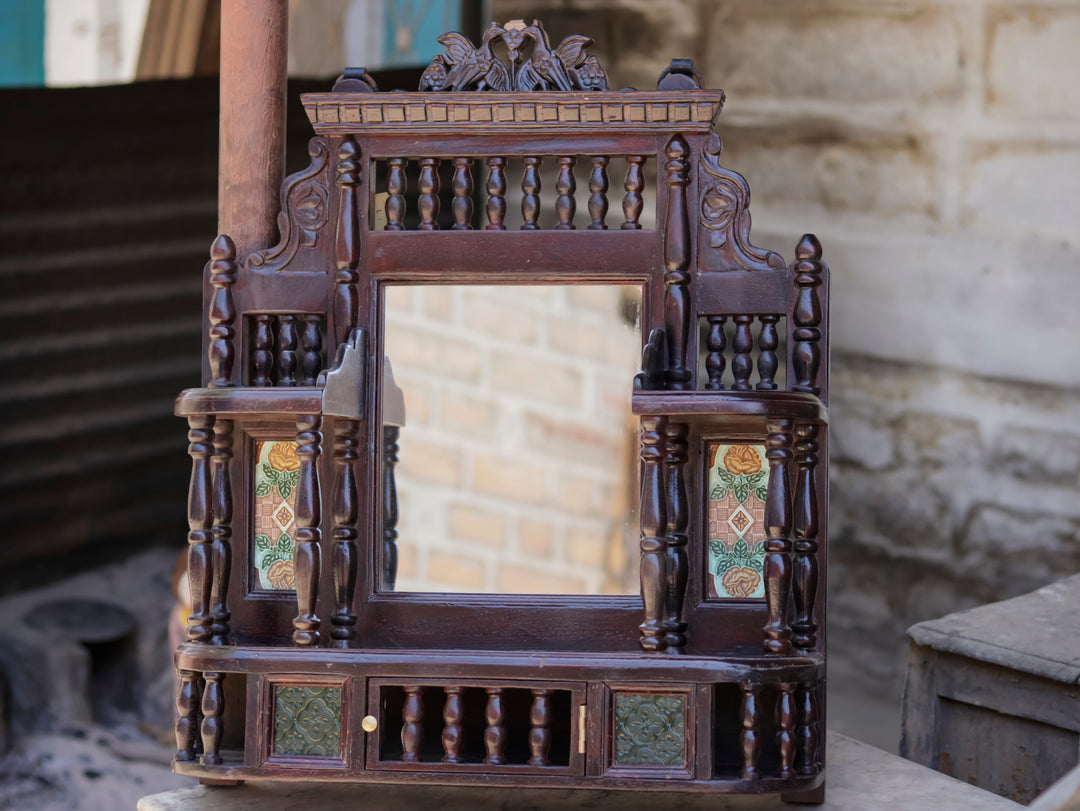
x,y
573,439
936,440
424,350
535,378
510,478
860,435
1038,456
471,523
1030,51
455,570
466,412
428,460
489,313
536,538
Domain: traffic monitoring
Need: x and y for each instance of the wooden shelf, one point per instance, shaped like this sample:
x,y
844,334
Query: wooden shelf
x,y
708,405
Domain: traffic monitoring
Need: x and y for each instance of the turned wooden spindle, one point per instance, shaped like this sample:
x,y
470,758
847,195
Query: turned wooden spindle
x,y
809,730
565,186
213,705
653,533
806,354
496,194
390,507
395,195
221,555
678,522
805,575
768,341
676,263
222,312
462,204
428,202
453,711
345,532
187,714
785,735
495,734
715,343
750,735
778,541
412,729
634,201
287,344
742,361
347,243
540,734
530,193
598,188
200,523
311,344
262,357
308,509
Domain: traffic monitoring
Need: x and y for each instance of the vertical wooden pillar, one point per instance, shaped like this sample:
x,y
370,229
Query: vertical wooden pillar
x,y
778,543
653,533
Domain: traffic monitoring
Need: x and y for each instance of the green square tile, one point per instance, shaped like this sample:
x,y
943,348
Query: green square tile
x,y
307,721
650,729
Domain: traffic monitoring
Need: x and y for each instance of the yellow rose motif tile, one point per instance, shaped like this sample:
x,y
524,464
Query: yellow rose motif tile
x,y
738,482
277,471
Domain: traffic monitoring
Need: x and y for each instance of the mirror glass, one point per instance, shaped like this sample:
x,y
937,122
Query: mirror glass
x,y
517,465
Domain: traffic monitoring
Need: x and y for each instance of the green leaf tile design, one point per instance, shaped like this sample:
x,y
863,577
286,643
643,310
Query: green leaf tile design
x,y
276,474
738,487
650,730
307,721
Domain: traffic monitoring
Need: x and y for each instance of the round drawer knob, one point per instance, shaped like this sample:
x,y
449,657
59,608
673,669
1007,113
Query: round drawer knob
x,y
370,723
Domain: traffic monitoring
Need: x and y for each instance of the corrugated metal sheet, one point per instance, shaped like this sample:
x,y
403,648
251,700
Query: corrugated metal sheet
x,y
107,211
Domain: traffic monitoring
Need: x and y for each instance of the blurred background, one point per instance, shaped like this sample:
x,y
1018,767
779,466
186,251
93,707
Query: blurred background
x,y
934,147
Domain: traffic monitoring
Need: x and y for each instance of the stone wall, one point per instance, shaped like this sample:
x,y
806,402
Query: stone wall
x,y
934,147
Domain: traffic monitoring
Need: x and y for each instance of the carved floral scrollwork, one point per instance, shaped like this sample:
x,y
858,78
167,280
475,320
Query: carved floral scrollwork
x,y
725,203
465,67
304,211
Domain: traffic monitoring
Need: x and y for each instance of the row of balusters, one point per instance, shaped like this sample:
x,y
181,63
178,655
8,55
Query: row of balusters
x,y
495,188
797,716
742,352
286,349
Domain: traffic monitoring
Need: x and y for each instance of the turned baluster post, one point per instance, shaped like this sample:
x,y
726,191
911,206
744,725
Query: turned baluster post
x,y
742,362
715,362
187,711
453,711
565,185
634,202
462,205
221,556
809,730
395,195
768,363
222,312
312,349
495,734
598,188
428,202
653,533
778,540
804,628
263,356
676,263
785,735
412,730
390,507
750,735
213,704
530,189
496,194
345,533
347,243
308,510
678,521
540,734
287,350
806,354
200,523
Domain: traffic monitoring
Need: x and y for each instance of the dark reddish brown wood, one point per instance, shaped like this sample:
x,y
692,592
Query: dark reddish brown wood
x,y
806,355
565,186
530,189
676,262
213,705
496,194
495,734
634,201
429,194
676,451
200,523
221,559
598,188
742,363
287,344
263,355
785,736
308,515
715,362
390,508
768,363
312,349
347,245
804,627
540,734
750,736
187,711
222,312
345,533
395,190
462,205
453,711
653,533
778,543
809,730
412,730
